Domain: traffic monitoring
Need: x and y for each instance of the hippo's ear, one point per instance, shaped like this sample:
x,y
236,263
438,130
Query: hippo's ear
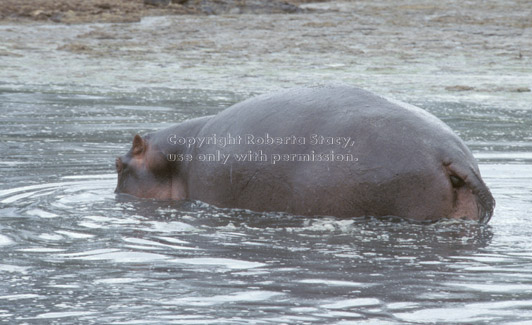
x,y
138,145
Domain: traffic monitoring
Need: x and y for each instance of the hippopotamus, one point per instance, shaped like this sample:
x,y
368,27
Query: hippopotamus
x,y
321,151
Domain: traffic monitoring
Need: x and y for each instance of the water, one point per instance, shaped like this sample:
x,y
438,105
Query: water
x,y
72,252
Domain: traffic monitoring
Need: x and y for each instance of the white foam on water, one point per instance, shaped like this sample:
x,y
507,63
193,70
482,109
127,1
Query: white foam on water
x,y
51,237
348,303
13,268
63,314
241,296
171,227
115,255
40,250
150,244
20,296
227,263
468,313
5,241
173,240
335,283
119,280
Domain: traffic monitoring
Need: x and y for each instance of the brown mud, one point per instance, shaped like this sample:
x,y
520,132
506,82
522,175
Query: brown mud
x,y
115,11
411,49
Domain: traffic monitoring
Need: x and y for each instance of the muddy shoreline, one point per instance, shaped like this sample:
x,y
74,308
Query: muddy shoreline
x,y
420,49
120,11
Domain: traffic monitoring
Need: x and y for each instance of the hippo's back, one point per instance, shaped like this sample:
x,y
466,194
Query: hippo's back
x,y
319,108
336,150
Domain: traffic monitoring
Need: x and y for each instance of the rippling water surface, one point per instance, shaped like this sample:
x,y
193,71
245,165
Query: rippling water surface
x,y
71,252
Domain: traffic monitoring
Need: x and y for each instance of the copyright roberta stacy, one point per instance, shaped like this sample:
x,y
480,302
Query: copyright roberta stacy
x,y
223,141
219,156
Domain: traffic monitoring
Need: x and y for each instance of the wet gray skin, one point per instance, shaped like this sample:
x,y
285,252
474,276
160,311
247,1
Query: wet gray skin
x,y
335,150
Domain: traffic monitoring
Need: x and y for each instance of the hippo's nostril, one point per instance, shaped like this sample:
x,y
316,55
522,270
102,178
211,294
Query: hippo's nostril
x,y
457,181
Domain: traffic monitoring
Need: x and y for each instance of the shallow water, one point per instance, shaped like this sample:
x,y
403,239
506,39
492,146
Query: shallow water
x,y
73,252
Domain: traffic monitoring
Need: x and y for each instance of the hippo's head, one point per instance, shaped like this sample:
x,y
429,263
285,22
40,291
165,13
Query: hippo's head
x,y
146,173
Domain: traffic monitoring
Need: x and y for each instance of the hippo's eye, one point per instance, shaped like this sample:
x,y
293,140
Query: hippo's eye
x,y
457,181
